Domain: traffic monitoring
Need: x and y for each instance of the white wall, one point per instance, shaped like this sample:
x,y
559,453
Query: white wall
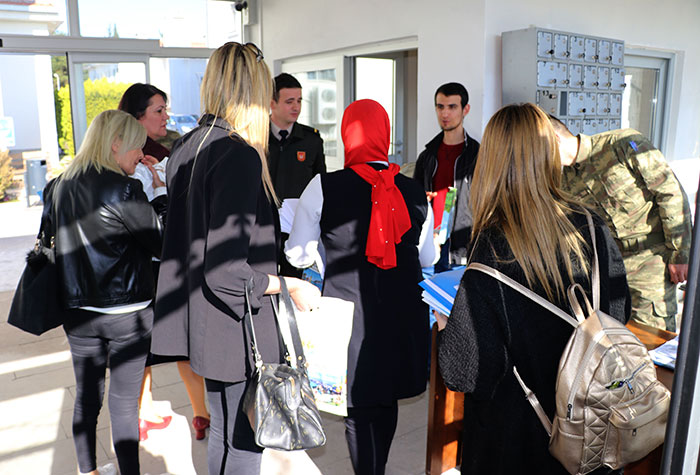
x,y
459,40
450,41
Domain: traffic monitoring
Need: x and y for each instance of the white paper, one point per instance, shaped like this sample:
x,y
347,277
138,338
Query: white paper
x,y
289,207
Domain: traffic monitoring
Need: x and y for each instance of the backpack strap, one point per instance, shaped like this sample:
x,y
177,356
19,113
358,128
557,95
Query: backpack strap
x,y
595,275
525,291
535,403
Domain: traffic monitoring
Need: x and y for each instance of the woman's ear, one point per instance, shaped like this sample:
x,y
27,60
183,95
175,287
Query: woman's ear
x,y
116,145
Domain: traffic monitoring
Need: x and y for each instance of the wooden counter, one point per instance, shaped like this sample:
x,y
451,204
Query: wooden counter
x,y
446,412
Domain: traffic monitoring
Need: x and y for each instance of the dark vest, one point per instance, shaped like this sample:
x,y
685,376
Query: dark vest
x,y
388,351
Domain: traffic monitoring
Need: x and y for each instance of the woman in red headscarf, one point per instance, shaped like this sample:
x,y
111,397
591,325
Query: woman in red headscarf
x,y
375,225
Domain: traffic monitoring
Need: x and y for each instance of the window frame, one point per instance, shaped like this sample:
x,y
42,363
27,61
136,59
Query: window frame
x,y
665,122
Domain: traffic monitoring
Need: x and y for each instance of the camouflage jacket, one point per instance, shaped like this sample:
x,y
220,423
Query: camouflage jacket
x,y
628,182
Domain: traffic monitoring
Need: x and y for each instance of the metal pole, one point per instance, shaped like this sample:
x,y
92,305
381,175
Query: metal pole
x,y
682,431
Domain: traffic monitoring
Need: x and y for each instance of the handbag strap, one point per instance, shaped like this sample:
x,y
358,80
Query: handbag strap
x,y
292,321
248,321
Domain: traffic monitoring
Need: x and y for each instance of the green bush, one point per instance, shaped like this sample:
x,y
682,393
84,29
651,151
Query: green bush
x,y
6,172
100,95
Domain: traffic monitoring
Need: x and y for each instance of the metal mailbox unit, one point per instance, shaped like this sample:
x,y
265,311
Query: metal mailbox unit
x,y
577,78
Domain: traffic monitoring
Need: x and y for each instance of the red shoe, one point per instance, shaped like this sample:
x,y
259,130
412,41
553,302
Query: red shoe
x,y
200,424
145,426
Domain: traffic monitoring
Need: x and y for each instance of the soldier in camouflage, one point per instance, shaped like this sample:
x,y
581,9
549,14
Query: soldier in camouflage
x,y
628,182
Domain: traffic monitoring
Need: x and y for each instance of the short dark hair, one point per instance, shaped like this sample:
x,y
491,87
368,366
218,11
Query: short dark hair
x,y
283,81
454,89
136,98
559,126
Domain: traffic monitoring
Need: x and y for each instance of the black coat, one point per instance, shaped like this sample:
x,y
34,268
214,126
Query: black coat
x,y
221,233
388,351
295,162
426,166
493,327
106,234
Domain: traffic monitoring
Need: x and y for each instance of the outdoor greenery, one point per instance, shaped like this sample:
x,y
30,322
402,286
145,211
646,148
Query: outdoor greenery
x,y
100,95
6,173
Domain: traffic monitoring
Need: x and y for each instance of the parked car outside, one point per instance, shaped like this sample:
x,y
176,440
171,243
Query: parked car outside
x,y
182,123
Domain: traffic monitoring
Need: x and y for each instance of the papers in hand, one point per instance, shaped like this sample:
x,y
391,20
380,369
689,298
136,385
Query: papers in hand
x,y
665,355
289,207
441,289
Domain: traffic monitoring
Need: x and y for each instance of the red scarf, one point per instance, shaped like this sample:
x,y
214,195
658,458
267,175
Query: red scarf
x,y
365,131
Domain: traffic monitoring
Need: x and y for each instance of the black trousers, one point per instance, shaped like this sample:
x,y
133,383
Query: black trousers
x,y
232,449
369,432
121,342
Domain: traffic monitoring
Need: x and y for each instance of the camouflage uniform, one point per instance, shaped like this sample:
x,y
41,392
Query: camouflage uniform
x,y
628,182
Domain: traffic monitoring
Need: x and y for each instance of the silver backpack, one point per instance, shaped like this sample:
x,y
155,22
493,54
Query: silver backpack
x,y
611,409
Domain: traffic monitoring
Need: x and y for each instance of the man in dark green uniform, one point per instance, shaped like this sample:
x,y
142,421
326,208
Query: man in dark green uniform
x,y
295,150
628,182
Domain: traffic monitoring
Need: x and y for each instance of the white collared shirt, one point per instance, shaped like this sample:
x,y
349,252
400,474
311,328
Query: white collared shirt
x,y
276,130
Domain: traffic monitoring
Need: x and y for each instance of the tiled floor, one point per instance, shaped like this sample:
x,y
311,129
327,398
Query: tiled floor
x,y
36,398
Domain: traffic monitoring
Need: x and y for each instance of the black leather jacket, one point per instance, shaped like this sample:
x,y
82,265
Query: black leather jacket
x,y
106,234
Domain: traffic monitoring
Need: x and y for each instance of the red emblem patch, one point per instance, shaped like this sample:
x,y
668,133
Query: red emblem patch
x,y
301,156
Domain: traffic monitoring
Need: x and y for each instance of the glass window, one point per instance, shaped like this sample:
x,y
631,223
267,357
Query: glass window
x,y
176,23
644,97
375,79
29,17
101,88
180,79
320,107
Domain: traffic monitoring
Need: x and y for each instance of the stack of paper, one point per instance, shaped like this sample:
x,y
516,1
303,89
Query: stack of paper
x,y
289,207
441,289
665,355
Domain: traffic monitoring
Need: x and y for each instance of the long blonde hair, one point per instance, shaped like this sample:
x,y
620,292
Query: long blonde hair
x,y
96,149
237,87
516,188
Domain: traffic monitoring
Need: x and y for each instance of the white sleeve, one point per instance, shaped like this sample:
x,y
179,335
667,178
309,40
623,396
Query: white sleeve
x,y
426,244
144,175
301,248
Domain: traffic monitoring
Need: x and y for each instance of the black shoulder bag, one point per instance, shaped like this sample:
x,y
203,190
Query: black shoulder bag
x,y
36,306
278,401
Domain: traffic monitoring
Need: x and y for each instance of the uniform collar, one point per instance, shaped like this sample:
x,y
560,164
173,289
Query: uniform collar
x,y
584,148
275,131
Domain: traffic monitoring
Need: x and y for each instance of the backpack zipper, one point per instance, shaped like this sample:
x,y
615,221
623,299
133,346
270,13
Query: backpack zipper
x,y
579,374
627,381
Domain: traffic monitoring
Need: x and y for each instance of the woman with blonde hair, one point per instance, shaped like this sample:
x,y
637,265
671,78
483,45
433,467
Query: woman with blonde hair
x,y
221,239
528,229
106,233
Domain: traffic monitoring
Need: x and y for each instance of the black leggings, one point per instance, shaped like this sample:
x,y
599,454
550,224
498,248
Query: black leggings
x,y
121,342
369,432
232,448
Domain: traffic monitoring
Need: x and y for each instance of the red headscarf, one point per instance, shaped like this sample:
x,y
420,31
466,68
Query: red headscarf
x,y
365,131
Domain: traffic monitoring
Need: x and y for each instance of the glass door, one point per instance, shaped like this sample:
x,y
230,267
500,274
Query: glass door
x,y
97,82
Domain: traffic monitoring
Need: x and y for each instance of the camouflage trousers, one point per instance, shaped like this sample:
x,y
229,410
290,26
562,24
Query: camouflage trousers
x,y
653,294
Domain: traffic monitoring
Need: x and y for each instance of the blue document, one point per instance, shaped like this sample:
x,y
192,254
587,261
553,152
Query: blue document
x,y
665,355
440,290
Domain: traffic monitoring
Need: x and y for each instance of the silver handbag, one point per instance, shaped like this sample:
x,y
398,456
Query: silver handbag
x,y
278,401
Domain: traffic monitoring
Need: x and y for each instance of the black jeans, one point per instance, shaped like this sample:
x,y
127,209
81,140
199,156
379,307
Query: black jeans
x,y
121,342
232,449
369,432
